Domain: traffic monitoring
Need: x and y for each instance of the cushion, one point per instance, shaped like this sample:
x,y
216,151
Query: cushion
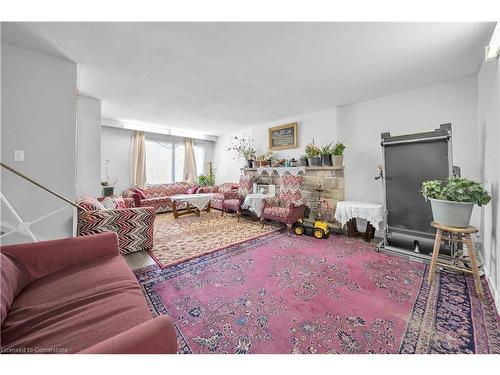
x,y
13,279
246,185
193,189
109,203
233,204
139,192
120,203
277,211
135,196
90,204
76,308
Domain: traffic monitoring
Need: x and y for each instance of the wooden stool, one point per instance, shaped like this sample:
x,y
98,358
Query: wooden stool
x,y
464,235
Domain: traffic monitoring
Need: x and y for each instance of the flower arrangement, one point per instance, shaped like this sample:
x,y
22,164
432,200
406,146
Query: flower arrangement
x,y
243,147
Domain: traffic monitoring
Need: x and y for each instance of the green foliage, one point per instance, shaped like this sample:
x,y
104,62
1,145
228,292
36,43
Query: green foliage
x,y
458,189
202,180
432,189
312,151
326,150
338,149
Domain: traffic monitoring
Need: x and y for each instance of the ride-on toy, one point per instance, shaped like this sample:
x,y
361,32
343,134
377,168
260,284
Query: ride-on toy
x,y
318,229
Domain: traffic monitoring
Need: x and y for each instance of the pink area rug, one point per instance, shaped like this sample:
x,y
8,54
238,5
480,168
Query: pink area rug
x,y
279,294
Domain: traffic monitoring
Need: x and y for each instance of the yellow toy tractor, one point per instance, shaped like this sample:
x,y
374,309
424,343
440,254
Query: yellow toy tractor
x,y
318,230
320,227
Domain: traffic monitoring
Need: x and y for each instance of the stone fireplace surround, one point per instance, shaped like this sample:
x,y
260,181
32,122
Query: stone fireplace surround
x,y
331,179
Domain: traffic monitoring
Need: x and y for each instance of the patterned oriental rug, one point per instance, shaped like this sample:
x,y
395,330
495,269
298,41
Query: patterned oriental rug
x,y
188,237
279,294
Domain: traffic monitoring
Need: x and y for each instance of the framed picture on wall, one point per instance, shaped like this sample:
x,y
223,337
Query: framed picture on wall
x,y
283,137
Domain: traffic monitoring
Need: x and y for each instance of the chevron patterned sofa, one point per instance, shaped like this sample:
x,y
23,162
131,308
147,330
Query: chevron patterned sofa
x,y
133,225
227,190
158,195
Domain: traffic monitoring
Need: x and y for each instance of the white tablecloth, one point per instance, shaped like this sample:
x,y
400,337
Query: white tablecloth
x,y
199,201
255,202
294,171
346,210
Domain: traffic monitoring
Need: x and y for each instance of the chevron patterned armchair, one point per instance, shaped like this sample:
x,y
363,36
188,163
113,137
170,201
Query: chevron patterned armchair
x,y
134,226
289,206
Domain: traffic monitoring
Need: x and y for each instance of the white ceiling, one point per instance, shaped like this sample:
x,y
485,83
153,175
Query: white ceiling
x,y
220,77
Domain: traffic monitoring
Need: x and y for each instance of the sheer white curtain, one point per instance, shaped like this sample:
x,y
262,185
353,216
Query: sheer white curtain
x,y
166,159
160,155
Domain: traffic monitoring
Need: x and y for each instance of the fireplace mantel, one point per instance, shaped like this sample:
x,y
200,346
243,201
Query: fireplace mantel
x,y
332,182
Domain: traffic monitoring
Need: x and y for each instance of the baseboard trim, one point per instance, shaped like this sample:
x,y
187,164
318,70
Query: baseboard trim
x,y
493,289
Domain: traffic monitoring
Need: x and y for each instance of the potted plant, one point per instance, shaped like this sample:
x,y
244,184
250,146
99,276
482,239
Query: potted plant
x,y
313,155
326,154
265,159
303,161
108,187
452,204
338,154
244,148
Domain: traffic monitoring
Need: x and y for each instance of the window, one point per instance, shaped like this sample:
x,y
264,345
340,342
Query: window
x,y
159,158
200,156
165,159
179,162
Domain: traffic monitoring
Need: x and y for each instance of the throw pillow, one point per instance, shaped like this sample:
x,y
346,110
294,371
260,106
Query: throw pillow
x,y
109,203
120,203
193,189
90,204
140,192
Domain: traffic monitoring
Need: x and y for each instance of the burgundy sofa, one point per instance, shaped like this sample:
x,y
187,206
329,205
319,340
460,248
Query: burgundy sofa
x,y
76,295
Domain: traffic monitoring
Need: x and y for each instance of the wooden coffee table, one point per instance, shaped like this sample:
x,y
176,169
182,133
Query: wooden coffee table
x,y
195,203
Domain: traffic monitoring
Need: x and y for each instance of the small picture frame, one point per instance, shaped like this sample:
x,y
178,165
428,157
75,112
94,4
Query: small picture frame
x,y
283,137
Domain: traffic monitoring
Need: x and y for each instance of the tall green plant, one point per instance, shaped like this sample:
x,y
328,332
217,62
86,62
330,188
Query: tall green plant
x,y
458,189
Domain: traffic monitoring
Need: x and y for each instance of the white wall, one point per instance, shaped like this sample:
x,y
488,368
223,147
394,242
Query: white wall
x,y
321,125
489,120
89,146
39,117
423,109
116,146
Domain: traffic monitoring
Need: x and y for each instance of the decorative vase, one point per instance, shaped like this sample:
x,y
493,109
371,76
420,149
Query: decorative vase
x,y
108,191
249,163
326,160
314,162
338,160
452,214
303,162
